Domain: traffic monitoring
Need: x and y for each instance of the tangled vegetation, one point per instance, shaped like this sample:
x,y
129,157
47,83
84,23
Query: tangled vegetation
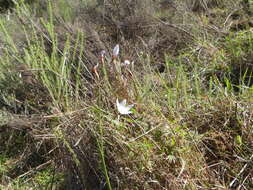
x,y
126,94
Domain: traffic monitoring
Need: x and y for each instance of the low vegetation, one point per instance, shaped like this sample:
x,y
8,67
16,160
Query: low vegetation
x,y
123,94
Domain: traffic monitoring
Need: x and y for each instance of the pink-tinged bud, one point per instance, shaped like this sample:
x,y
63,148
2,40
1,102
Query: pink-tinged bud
x,y
126,62
115,51
94,70
102,54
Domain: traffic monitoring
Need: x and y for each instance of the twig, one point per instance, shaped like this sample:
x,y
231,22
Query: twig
x,y
35,169
241,171
64,114
176,27
241,185
147,132
230,16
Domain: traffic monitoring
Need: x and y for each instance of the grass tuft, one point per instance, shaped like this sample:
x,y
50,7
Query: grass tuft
x,y
185,66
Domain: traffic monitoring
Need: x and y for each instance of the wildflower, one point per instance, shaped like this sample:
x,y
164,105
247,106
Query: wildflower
x,y
126,62
115,52
102,53
102,56
123,108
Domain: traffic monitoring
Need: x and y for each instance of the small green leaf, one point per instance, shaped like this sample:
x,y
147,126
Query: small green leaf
x,y
238,140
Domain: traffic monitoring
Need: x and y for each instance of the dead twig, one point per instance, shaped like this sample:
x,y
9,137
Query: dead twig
x,y
241,171
35,169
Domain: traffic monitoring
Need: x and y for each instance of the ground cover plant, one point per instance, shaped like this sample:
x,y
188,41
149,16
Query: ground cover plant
x,y
123,94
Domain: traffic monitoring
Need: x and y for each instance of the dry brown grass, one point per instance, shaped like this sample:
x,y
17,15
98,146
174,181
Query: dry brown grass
x,y
192,121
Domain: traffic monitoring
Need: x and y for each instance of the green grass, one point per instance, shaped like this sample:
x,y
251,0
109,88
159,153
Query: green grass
x,y
191,126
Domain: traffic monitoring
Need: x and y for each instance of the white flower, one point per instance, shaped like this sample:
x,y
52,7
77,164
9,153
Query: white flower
x,y
126,62
123,108
102,53
115,52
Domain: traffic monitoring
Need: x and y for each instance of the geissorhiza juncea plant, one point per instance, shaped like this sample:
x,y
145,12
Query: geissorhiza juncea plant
x,y
101,61
115,65
123,108
115,52
117,74
126,62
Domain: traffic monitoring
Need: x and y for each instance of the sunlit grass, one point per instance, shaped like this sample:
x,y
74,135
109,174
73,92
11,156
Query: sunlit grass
x,y
188,127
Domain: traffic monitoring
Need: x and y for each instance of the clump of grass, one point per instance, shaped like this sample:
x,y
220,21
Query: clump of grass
x,y
189,127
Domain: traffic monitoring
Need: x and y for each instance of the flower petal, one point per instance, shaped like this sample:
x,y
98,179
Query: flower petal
x,y
117,102
123,108
123,103
102,53
130,106
126,62
116,51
